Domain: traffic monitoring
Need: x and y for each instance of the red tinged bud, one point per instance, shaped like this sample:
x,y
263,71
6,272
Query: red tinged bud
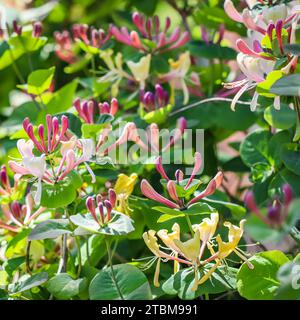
x,y
17,28
114,106
112,197
179,176
16,211
274,212
37,29
98,199
90,204
108,209
288,194
101,211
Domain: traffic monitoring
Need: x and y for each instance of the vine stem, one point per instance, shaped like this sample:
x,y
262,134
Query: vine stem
x,y
28,268
112,268
188,220
77,241
297,109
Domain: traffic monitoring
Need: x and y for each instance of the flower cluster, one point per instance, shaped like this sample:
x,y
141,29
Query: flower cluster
x,y
190,252
153,34
173,186
271,28
52,165
87,109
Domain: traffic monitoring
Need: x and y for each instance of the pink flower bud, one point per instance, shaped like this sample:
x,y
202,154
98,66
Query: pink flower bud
x,y
114,106
105,108
167,24
197,166
179,176
37,29
150,193
108,206
41,136
15,208
101,211
98,198
17,28
274,212
149,28
160,168
112,197
90,204
156,23
172,191
288,194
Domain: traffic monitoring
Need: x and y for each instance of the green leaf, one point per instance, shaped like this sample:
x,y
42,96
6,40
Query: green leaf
x,y
292,48
131,282
39,81
64,287
260,172
260,283
287,86
255,149
58,195
50,229
235,209
289,277
291,157
61,101
28,282
181,283
158,116
119,224
211,51
260,231
284,118
166,217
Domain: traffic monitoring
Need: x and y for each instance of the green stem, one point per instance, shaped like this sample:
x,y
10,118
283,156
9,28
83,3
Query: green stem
x,y
77,240
188,220
297,109
206,296
88,251
28,268
112,269
295,234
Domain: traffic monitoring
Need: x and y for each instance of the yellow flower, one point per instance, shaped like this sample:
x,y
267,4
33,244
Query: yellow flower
x,y
179,70
235,234
190,248
151,242
207,227
168,240
116,72
140,69
68,145
124,188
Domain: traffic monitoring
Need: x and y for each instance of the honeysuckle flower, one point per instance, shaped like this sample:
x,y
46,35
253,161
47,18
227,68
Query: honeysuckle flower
x,y
154,100
179,202
64,48
151,143
177,74
150,31
18,215
140,70
55,133
258,20
116,72
90,36
277,210
89,111
190,252
123,189
255,69
155,106
96,207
